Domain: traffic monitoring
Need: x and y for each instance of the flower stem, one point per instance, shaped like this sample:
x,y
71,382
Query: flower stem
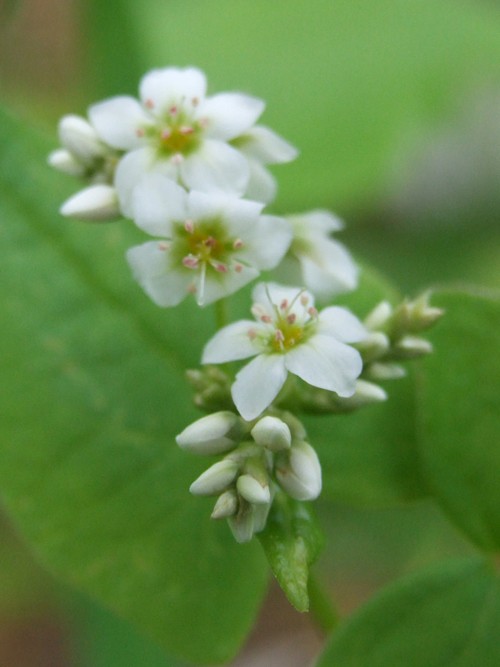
x,y
321,607
221,316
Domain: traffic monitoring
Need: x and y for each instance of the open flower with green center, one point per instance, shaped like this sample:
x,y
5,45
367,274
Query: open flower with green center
x,y
176,130
288,335
211,244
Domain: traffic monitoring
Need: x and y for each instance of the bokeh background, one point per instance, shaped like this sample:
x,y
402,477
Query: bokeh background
x,y
395,107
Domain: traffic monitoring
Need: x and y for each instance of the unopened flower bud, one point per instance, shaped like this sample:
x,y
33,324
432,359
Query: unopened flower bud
x,y
216,479
385,371
379,316
210,434
272,433
411,347
366,393
374,346
242,524
63,160
415,316
260,514
80,138
299,472
226,505
95,203
252,490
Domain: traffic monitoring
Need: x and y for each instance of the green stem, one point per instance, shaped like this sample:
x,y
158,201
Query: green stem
x,y
221,316
321,607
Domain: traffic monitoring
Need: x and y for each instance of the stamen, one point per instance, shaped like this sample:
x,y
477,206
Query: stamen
x,y
166,134
210,242
312,312
284,304
267,319
149,103
252,334
291,318
173,110
191,288
238,243
190,262
238,267
176,159
221,268
163,246
139,132
189,226
186,129
278,336
195,101
304,299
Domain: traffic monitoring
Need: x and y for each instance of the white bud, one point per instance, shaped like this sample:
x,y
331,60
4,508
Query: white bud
x,y
209,435
252,490
300,472
383,371
242,524
272,433
95,203
226,505
412,346
374,346
379,316
63,160
367,392
80,138
260,514
215,479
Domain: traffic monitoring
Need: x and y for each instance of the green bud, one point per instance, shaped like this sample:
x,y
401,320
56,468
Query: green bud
x,y
226,505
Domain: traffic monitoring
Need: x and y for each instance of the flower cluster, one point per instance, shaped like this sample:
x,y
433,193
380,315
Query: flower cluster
x,y
191,171
260,458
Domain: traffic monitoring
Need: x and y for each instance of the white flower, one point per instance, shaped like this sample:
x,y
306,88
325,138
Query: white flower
x,y
212,245
323,265
289,335
176,130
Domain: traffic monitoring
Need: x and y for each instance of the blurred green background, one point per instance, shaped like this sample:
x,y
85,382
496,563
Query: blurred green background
x,y
395,107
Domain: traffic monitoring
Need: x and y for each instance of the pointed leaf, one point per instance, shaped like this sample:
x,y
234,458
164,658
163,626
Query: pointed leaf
x,y
446,616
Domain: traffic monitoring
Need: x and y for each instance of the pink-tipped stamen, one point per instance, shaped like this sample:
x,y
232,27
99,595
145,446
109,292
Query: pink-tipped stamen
x,y
190,262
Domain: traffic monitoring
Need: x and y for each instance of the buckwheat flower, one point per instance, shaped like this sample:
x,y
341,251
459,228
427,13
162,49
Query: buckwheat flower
x,y
212,243
314,259
175,129
288,335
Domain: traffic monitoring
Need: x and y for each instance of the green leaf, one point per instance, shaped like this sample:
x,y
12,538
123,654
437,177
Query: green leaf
x,y
460,413
446,616
368,78
292,542
93,394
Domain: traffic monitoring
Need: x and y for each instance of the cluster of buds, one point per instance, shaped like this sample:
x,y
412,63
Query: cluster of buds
x,y
394,337
259,457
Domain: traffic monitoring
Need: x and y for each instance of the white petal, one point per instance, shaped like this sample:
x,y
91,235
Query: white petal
x,y
230,114
156,203
118,120
215,166
162,89
264,145
231,343
131,170
262,184
319,221
151,268
341,324
326,363
330,271
218,285
270,238
239,213
258,383
95,203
